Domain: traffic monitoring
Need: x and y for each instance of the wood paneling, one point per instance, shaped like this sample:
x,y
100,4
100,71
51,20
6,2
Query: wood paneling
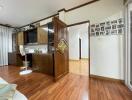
x,y
20,38
12,58
19,59
61,60
15,59
43,63
42,36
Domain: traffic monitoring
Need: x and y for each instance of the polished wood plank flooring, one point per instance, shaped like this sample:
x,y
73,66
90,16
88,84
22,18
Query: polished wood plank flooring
x,y
80,67
100,89
38,86
108,90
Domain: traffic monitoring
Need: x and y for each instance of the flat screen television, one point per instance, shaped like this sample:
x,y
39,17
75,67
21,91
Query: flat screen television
x,y
30,36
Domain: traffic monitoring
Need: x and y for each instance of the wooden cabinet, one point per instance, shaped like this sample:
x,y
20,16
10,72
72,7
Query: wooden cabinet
x,y
29,36
61,59
42,36
43,63
20,38
15,59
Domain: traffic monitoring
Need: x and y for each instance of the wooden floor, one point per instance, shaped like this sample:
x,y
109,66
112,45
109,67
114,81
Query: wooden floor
x,y
79,67
38,86
108,90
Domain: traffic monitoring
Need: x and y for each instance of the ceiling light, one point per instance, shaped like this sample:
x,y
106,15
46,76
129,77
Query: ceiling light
x,y
1,7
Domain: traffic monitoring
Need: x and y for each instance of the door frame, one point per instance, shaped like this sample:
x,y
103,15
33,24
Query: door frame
x,y
80,54
127,45
84,22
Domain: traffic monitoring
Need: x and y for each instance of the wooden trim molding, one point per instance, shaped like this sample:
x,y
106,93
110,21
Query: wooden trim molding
x,y
6,26
93,1
83,22
106,78
40,20
62,10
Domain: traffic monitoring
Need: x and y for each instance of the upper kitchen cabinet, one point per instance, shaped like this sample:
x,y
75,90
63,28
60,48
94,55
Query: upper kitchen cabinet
x,y
42,35
20,38
30,36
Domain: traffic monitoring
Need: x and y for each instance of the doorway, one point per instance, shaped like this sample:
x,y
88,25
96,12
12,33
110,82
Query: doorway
x,y
79,48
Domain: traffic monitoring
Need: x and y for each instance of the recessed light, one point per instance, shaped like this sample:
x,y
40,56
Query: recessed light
x,y
1,7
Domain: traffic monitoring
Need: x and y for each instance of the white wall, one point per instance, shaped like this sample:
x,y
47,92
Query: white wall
x,y
106,51
95,12
84,43
76,32
106,56
73,43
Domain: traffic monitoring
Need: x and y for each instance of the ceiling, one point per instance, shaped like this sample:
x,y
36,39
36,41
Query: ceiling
x,y
21,12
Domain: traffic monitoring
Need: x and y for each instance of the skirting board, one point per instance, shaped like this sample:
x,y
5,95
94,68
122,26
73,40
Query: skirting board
x,y
78,59
106,78
84,58
73,60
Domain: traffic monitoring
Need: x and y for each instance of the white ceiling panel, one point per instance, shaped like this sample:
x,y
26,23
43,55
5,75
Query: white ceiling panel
x,y
21,12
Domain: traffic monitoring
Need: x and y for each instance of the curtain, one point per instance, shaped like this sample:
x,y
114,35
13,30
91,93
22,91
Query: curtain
x,y
5,44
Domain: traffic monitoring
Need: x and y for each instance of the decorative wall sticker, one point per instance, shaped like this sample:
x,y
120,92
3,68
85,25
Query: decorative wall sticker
x,y
114,22
119,31
102,33
97,34
114,27
113,32
62,45
102,28
108,23
102,24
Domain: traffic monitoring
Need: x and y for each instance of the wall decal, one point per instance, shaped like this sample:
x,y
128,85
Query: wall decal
x,y
115,27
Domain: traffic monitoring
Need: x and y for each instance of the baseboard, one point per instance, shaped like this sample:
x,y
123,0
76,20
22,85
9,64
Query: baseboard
x,y
78,59
107,78
84,58
73,60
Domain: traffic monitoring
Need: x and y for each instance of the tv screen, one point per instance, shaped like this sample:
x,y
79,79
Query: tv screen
x,y
31,36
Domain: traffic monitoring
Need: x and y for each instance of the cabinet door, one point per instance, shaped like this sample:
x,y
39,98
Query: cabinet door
x,y
20,38
42,36
43,63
